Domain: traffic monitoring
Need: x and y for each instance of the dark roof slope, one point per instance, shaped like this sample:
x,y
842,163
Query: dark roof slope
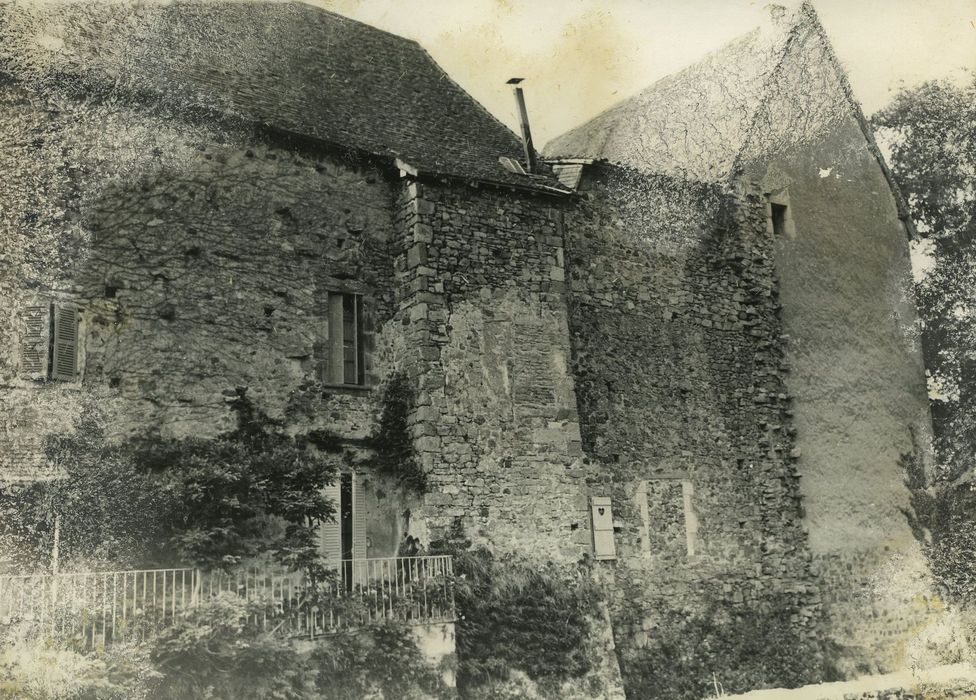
x,y
287,65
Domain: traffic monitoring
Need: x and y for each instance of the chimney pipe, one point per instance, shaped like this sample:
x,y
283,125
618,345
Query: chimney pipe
x,y
524,123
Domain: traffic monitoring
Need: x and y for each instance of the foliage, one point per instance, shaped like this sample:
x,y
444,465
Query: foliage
x,y
742,649
942,521
159,501
378,660
517,614
34,666
395,454
217,651
932,133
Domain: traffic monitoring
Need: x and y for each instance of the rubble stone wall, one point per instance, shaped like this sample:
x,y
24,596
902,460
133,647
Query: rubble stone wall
x,y
686,422
482,278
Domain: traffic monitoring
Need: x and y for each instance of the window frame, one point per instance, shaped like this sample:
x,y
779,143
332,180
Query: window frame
x,y
339,351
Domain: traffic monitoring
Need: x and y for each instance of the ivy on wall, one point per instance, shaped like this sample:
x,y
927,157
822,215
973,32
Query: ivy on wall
x,y
395,456
721,648
518,614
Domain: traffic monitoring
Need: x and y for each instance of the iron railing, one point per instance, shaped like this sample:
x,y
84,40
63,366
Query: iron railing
x,y
97,608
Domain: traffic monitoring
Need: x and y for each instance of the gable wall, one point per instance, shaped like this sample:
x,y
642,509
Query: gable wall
x,y
856,367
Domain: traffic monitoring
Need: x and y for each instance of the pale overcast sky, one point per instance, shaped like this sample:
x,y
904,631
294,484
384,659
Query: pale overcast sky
x,y
580,56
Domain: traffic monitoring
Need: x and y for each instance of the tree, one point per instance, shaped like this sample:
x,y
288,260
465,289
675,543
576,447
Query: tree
x,y
164,502
932,133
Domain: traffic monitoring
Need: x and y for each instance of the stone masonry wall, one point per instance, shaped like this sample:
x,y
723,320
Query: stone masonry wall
x,y
199,256
482,283
678,356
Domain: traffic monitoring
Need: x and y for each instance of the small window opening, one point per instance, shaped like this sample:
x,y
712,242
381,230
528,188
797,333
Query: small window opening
x,y
110,291
779,219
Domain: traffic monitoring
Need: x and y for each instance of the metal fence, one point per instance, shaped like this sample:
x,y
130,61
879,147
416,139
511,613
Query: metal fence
x,y
97,608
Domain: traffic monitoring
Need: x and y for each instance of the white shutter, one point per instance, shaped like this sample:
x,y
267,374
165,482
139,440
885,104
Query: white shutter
x,y
330,534
64,365
360,567
358,518
34,342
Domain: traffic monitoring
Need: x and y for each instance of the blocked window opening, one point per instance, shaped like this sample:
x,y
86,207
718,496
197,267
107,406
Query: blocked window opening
x,y
670,524
342,354
779,219
50,342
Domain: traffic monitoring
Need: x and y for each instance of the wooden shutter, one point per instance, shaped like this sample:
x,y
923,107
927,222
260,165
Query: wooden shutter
x,y
330,533
350,337
360,343
64,365
34,342
360,568
335,339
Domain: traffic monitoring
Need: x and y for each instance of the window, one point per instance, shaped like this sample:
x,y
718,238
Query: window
x,y
342,358
779,219
779,215
50,342
342,540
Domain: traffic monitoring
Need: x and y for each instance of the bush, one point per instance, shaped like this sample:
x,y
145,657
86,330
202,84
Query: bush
x,y
381,660
37,667
516,614
218,652
740,648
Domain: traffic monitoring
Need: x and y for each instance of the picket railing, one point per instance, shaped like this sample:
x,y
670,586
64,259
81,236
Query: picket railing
x,y
97,608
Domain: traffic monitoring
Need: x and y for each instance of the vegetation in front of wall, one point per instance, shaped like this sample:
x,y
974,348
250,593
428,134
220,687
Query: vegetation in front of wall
x,y
159,502
722,648
217,651
941,518
395,455
518,614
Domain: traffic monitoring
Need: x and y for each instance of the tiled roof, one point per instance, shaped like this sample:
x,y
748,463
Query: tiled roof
x,y
287,65
693,123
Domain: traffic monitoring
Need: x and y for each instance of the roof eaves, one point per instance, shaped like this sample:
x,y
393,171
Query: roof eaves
x,y
552,188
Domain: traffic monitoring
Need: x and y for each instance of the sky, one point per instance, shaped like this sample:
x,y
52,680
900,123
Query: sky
x,y
579,57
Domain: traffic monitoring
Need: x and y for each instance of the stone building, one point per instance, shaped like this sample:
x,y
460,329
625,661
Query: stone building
x,y
744,339
683,347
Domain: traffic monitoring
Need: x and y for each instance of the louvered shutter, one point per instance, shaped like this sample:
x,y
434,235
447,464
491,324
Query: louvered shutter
x,y
360,572
34,342
330,532
64,365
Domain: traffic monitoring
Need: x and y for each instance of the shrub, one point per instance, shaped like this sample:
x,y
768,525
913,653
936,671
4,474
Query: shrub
x,y
741,648
516,614
383,659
